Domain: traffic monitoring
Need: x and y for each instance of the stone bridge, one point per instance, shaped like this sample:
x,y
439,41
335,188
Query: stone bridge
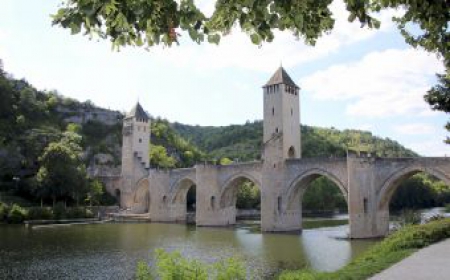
x,y
366,183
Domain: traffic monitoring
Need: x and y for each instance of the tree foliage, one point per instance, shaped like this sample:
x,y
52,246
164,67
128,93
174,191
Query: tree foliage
x,y
62,174
420,191
136,22
159,157
248,196
439,97
244,142
323,195
168,149
149,23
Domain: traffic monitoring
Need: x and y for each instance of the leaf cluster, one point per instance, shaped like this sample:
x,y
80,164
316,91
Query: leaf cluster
x,y
149,23
173,266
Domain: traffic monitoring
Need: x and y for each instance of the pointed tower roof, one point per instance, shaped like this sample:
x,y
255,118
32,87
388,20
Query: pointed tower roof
x,y
280,77
138,113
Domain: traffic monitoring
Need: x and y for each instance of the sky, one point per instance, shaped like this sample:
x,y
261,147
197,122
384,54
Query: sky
x,y
354,78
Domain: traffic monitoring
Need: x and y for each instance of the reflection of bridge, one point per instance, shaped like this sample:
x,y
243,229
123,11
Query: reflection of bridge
x,y
367,183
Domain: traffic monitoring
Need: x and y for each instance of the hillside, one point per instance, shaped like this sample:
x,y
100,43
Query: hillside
x,y
243,142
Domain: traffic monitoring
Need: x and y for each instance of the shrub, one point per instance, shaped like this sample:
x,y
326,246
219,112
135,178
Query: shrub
x,y
230,269
171,266
88,213
76,213
409,217
79,213
59,211
4,209
40,213
16,215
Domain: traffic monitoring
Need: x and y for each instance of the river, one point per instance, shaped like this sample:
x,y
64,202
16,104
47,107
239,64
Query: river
x,y
111,251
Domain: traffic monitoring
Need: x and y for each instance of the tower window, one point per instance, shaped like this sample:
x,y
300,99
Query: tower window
x,y
291,152
213,200
279,204
140,140
276,130
273,111
292,112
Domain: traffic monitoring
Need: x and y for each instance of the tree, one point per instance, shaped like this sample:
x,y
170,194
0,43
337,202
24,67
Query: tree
x,y
62,174
95,192
225,161
323,195
248,196
159,157
439,97
150,23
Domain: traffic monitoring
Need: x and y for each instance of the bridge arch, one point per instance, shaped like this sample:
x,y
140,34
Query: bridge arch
x,y
229,189
391,184
299,185
181,188
179,199
141,198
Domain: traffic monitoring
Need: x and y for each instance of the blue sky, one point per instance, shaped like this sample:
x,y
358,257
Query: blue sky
x,y
352,78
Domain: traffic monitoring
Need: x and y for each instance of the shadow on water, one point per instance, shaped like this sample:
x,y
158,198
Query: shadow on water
x,y
111,251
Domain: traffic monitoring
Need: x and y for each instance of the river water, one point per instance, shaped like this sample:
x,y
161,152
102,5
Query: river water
x,y
111,251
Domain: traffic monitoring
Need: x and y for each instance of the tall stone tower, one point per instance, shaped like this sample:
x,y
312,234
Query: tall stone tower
x,y
135,154
136,139
281,117
281,141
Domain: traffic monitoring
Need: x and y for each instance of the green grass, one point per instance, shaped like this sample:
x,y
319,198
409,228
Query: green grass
x,y
388,252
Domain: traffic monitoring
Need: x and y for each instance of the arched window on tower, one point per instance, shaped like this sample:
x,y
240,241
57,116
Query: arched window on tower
x,y
291,152
213,201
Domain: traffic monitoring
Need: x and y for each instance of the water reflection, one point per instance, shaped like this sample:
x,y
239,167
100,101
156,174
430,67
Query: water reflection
x,y
111,251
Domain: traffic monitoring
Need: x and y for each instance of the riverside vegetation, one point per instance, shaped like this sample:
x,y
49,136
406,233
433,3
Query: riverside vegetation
x,y
15,214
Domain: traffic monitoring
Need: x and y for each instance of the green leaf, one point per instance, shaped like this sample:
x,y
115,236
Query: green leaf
x,y
256,39
214,38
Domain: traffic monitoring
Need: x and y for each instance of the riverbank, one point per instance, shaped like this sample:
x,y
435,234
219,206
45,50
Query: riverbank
x,y
393,249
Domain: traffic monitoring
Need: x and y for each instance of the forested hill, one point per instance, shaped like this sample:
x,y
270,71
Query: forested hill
x,y
244,142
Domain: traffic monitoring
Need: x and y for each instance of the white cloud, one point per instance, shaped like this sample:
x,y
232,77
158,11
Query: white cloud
x,y
431,148
415,129
236,50
387,83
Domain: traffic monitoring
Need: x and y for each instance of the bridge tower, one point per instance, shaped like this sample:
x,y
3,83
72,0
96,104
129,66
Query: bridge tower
x,y
281,117
281,141
135,151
